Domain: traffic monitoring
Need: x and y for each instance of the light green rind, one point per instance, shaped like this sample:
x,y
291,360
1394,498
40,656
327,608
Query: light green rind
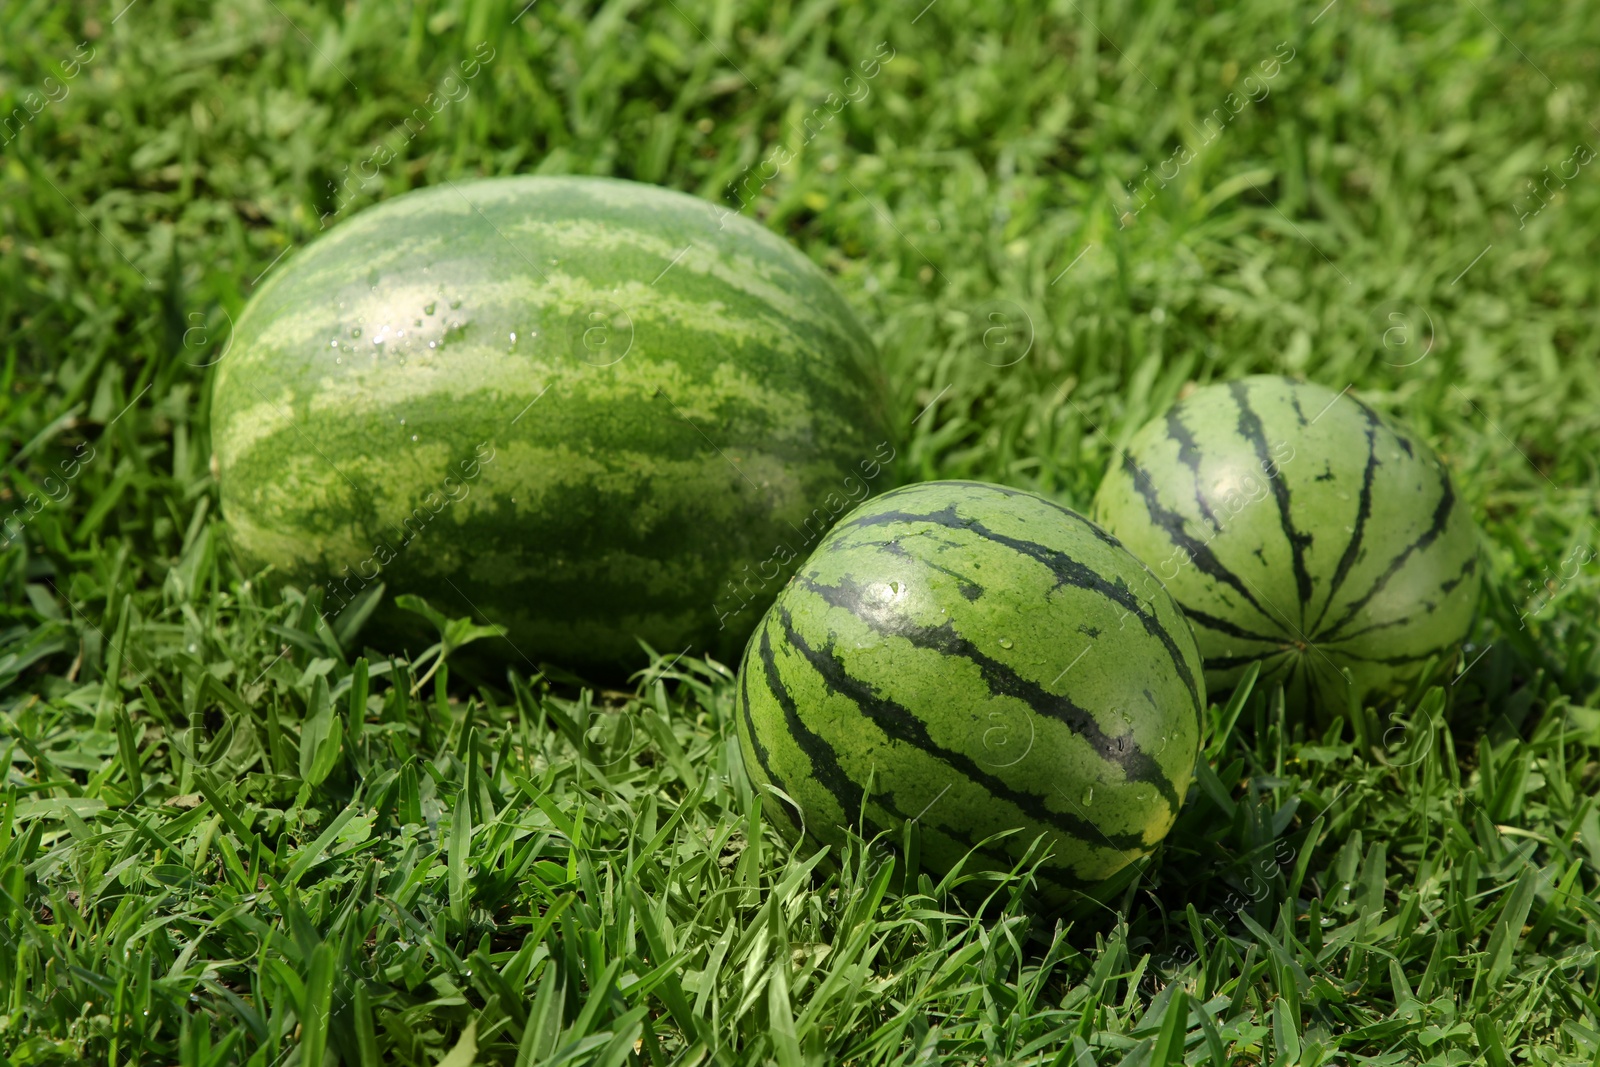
x,y
1387,570
977,655
662,407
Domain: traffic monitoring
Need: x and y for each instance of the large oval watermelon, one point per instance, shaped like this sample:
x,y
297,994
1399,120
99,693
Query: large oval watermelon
x,y
974,658
591,410
1299,528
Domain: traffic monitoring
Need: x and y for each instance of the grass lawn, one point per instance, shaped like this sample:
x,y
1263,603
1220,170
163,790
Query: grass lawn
x,y
229,834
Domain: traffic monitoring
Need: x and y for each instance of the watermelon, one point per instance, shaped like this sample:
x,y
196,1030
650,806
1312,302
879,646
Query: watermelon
x,y
975,659
1300,529
593,411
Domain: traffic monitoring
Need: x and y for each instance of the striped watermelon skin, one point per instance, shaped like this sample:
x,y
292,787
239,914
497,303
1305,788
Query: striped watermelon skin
x,y
649,409
975,658
1302,529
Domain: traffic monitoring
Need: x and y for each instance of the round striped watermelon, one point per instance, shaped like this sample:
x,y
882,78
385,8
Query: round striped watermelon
x,y
591,410
1299,528
974,658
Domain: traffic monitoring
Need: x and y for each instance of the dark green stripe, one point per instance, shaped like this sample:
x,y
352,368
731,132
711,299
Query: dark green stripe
x,y
1067,571
1003,681
1444,587
1099,532
1363,512
1294,402
830,774
1397,660
1402,621
884,800
1441,517
1211,622
762,756
1199,552
1467,568
1225,663
1189,456
900,723
1251,430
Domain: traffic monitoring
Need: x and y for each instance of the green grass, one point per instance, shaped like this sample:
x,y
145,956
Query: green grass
x,y
231,834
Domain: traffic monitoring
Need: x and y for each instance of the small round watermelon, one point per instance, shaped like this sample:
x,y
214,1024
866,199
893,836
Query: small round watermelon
x,y
1298,528
974,658
591,410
